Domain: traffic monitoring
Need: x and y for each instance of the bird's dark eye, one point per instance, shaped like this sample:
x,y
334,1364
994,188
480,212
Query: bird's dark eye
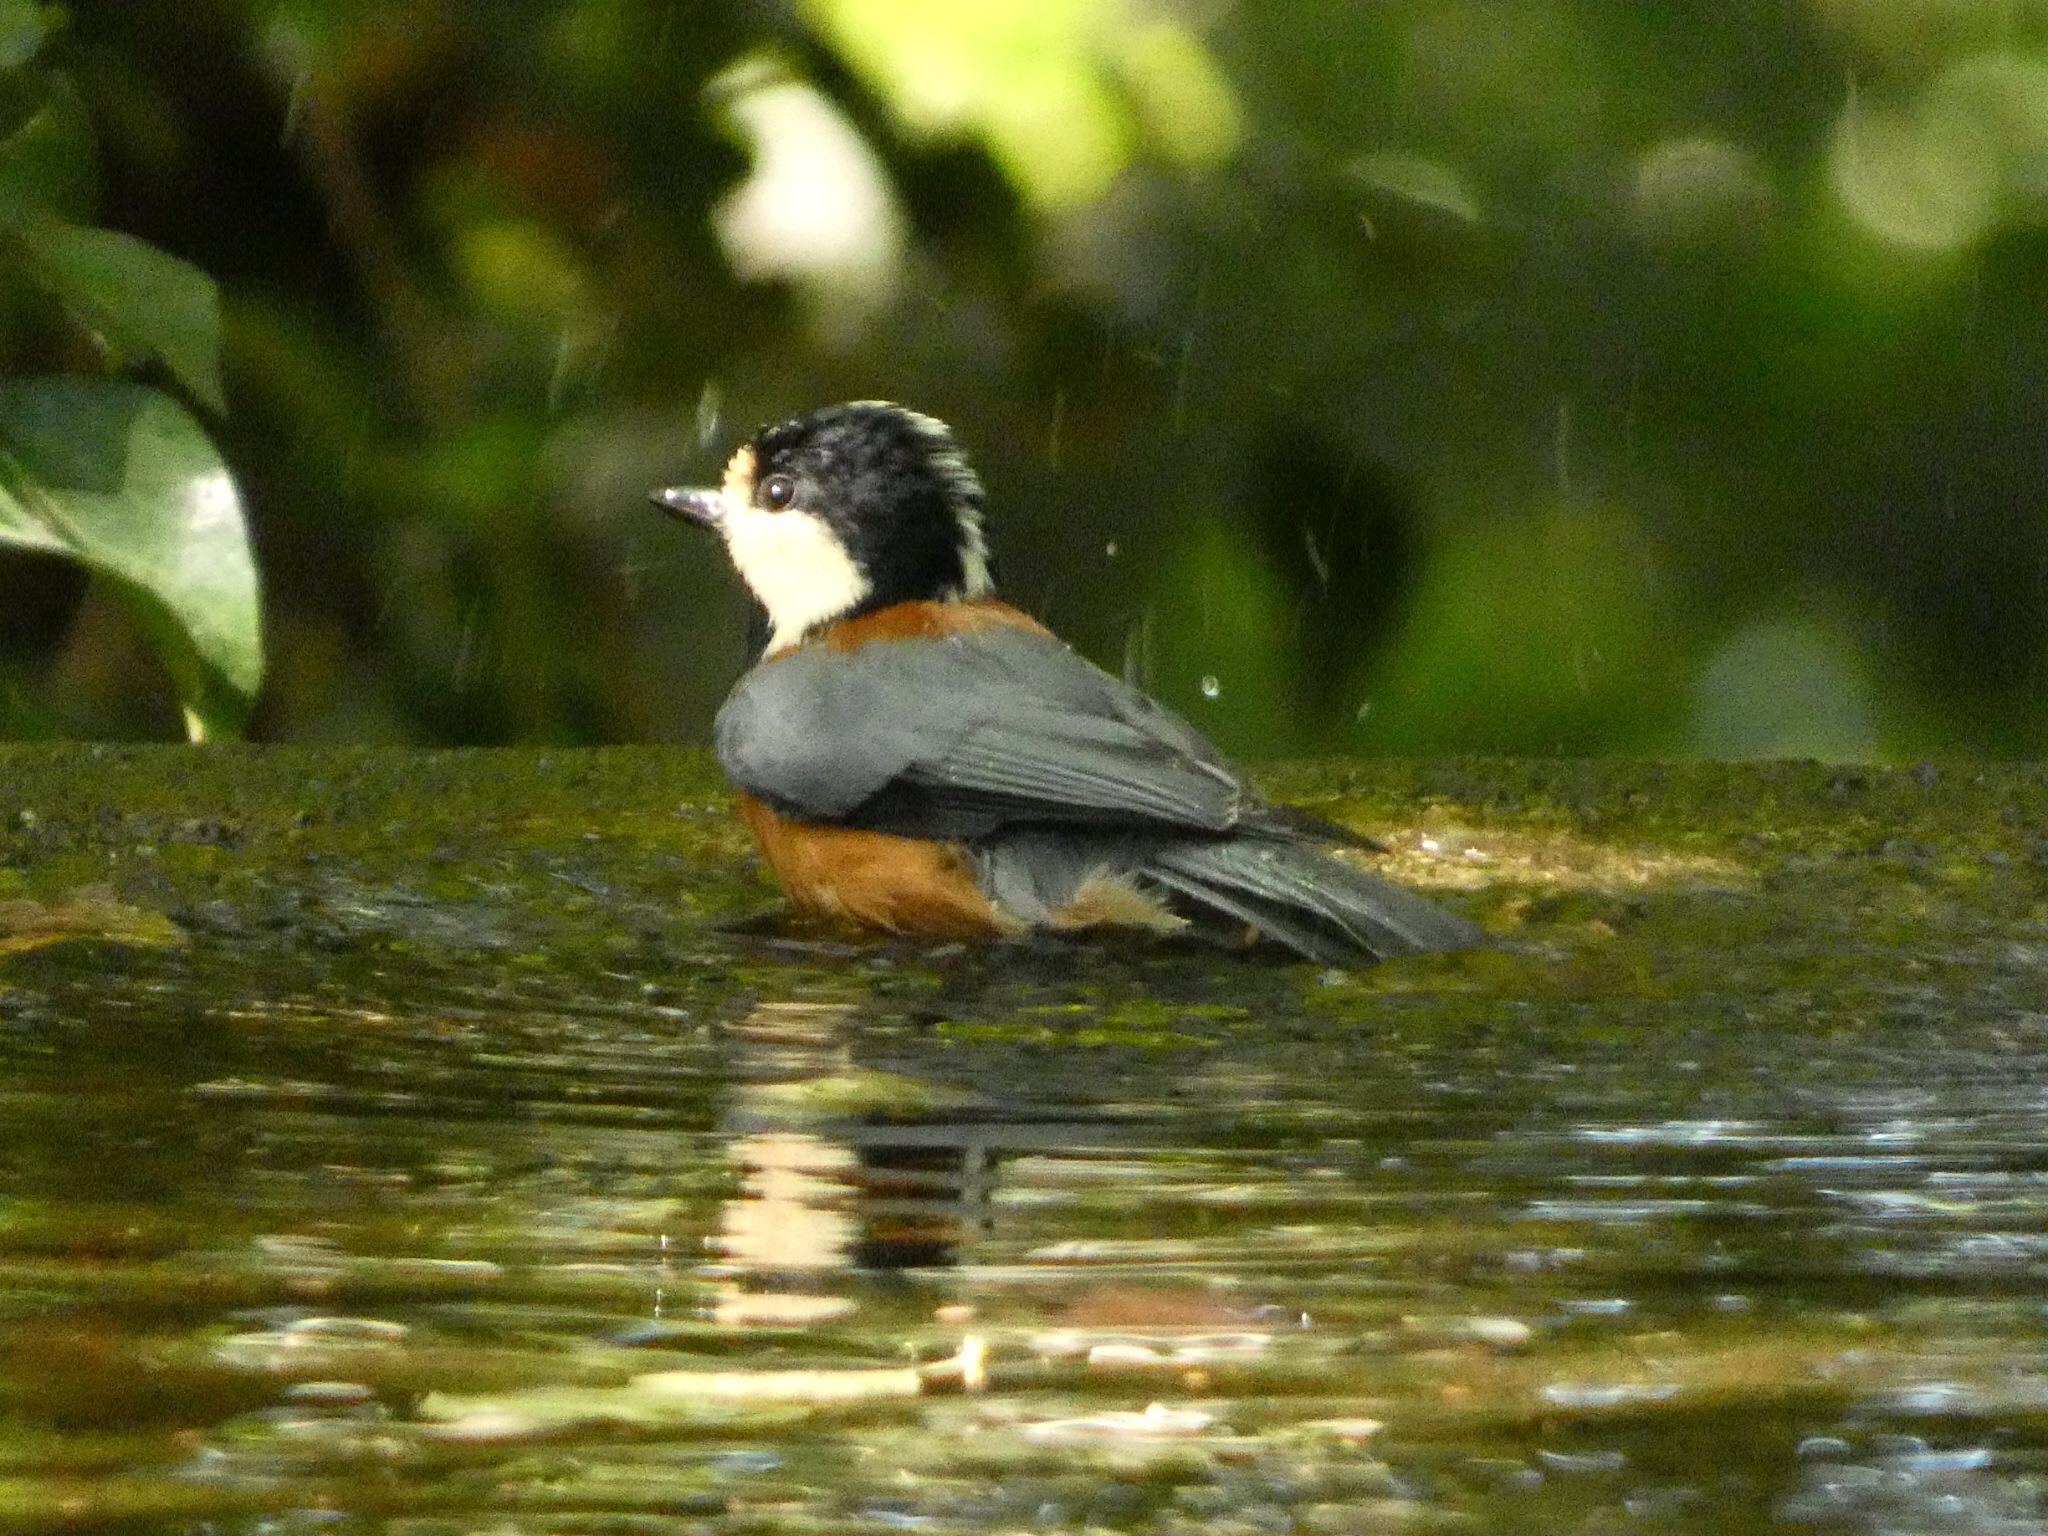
x,y
778,491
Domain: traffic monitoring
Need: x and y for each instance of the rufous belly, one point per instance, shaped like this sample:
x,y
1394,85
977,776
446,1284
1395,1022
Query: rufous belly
x,y
903,885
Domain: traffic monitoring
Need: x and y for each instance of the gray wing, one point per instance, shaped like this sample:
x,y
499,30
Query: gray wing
x,y
999,735
961,735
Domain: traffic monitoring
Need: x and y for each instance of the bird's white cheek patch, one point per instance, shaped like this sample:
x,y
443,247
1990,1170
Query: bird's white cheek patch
x,y
797,567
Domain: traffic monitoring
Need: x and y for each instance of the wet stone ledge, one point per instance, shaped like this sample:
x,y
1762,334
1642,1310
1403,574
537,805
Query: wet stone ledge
x,y
618,850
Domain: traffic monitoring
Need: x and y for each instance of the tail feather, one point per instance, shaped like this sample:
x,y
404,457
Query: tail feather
x,y
1293,893
1323,909
1308,939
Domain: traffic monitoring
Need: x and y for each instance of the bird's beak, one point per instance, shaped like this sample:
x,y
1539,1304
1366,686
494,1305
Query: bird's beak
x,y
704,508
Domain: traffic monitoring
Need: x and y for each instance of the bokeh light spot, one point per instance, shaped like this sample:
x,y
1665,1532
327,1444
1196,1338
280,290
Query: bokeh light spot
x,y
1700,190
1060,92
1906,186
818,209
1786,686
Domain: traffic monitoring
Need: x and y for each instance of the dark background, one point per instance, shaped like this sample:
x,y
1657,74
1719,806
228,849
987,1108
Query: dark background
x,y
1416,376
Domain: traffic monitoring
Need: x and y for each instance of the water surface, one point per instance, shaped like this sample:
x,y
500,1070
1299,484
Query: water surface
x,y
501,1193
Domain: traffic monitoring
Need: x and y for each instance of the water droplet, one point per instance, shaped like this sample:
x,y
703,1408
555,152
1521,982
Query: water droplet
x,y
1582,1461
1211,688
746,1461
710,403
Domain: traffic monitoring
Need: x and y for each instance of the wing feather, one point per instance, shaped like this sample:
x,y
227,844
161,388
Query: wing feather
x,y
989,727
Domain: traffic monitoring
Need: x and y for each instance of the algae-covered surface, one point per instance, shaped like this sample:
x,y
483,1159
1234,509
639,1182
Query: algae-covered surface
x,y
442,1142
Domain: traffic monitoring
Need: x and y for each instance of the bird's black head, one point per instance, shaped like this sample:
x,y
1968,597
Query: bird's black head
x,y
844,510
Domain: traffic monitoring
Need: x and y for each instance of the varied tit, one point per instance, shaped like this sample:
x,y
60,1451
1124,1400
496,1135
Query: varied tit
x,y
915,755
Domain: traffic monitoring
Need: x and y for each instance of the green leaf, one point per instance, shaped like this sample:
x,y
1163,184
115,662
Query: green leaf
x,y
22,29
120,477
142,299
50,163
1428,185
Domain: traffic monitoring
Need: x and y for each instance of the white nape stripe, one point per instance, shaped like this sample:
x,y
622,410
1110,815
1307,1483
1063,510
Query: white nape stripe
x,y
977,580
964,494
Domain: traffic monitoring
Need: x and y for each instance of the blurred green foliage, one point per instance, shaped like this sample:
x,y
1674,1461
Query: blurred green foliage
x,y
1436,374
93,468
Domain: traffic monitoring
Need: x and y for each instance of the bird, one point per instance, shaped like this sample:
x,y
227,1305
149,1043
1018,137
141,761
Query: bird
x,y
917,756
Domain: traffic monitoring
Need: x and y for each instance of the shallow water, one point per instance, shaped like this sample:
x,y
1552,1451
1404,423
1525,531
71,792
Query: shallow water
x,y
390,1215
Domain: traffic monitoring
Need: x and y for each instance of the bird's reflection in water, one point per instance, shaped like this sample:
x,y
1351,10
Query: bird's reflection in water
x,y
841,1170
786,1231
791,1223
